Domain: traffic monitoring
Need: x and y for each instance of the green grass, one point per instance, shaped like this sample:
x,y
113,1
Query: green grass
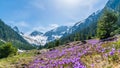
x,y
18,61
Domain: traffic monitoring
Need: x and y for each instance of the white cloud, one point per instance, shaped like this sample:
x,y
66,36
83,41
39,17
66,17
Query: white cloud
x,y
77,9
69,23
19,24
73,4
22,24
45,28
52,26
68,11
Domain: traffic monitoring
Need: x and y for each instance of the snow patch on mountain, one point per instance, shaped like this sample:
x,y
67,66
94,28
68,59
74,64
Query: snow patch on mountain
x,y
36,40
56,36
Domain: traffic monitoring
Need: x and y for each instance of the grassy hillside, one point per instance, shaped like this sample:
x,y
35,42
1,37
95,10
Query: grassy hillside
x,y
18,61
93,53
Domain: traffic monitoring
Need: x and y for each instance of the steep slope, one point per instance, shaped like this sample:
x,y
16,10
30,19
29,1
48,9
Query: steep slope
x,y
15,28
113,5
85,23
9,35
87,28
83,28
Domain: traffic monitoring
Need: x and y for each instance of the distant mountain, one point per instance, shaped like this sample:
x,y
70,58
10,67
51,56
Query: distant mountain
x,y
38,40
35,38
7,34
35,33
56,33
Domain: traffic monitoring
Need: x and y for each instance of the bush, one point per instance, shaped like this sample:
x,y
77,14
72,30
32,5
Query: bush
x,y
117,45
114,58
7,50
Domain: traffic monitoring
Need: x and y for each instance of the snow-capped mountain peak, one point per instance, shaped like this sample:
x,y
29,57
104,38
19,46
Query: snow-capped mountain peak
x,y
38,38
35,33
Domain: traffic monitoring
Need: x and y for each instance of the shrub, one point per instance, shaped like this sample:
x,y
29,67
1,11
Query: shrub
x,y
7,50
117,44
113,58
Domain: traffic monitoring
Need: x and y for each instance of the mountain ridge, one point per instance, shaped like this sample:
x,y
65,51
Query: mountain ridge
x,y
9,35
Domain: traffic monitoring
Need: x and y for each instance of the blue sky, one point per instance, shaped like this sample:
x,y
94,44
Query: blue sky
x,y
44,15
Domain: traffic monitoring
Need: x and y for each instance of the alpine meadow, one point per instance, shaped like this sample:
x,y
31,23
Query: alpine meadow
x,y
60,34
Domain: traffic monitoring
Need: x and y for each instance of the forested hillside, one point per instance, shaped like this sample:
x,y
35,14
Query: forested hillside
x,y
9,35
90,26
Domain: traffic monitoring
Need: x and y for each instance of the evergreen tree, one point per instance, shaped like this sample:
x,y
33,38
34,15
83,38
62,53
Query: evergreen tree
x,y
7,50
77,37
106,25
57,42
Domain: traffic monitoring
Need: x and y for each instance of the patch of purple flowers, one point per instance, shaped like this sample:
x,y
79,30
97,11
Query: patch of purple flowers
x,y
71,56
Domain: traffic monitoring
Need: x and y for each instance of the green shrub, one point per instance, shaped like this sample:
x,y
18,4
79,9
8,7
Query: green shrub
x,y
7,50
117,44
114,58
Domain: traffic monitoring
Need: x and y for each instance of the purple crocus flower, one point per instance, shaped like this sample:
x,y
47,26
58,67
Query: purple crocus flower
x,y
92,65
111,53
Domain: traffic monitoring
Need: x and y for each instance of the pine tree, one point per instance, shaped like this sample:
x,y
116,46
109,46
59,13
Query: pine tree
x,y
106,25
57,42
77,37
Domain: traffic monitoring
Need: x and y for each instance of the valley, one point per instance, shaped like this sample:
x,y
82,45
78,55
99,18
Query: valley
x,y
93,42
